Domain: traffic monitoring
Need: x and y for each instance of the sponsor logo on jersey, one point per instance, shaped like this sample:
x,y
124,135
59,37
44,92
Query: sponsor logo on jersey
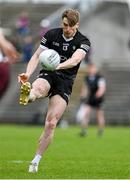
x,y
85,47
56,43
63,58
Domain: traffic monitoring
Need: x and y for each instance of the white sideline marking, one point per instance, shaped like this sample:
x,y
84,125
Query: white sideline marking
x,y
17,161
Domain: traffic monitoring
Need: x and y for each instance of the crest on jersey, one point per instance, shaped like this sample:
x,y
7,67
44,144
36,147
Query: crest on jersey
x,y
74,47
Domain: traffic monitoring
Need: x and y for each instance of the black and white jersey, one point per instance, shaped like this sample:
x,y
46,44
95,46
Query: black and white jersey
x,y
54,39
94,82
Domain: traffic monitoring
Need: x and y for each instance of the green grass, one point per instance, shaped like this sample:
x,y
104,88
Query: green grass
x,y
69,156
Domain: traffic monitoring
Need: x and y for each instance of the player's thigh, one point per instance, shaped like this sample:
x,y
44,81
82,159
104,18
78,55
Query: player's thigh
x,y
56,108
41,85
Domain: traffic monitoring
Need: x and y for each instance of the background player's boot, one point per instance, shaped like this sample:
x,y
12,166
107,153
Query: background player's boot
x,y
100,132
24,93
83,133
33,168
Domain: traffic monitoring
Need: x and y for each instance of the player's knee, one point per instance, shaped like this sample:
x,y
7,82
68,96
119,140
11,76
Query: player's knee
x,y
38,90
51,125
52,121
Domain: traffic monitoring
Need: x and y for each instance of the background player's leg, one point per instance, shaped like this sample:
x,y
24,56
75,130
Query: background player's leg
x,y
101,121
85,120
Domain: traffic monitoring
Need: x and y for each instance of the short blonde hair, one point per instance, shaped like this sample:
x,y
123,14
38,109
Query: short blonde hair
x,y
72,16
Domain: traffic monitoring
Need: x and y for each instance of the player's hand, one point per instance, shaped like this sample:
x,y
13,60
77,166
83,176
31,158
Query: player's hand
x,y
22,78
58,67
98,95
10,51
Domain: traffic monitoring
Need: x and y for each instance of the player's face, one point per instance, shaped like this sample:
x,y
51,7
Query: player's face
x,y
92,70
68,30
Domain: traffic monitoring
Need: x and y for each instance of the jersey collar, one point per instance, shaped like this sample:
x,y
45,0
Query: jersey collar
x,y
67,39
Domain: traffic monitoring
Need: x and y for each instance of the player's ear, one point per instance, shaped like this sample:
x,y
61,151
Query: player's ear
x,y
77,25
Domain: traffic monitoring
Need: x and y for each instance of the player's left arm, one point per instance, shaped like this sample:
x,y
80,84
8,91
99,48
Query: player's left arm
x,y
101,88
76,58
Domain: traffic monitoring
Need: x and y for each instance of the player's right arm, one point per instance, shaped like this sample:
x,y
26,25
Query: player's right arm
x,y
24,77
101,87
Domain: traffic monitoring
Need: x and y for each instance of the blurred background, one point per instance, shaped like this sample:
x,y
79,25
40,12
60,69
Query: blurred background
x,y
105,22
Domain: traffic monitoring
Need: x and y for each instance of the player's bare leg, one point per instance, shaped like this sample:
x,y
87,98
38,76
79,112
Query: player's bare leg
x,y
56,107
101,121
40,88
85,120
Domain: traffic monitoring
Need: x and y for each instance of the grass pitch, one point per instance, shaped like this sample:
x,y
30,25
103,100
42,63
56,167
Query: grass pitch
x,y
69,156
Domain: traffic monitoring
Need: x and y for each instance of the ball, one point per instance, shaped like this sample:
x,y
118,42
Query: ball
x,y
49,59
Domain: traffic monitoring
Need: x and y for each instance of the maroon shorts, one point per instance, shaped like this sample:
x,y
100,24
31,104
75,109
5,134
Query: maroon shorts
x,y
4,77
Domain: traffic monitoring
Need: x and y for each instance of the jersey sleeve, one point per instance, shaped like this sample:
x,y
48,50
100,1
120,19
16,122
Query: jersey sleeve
x,y
101,82
46,40
85,44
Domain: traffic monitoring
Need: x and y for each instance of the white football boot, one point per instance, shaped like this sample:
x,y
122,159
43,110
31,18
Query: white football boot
x,y
33,168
